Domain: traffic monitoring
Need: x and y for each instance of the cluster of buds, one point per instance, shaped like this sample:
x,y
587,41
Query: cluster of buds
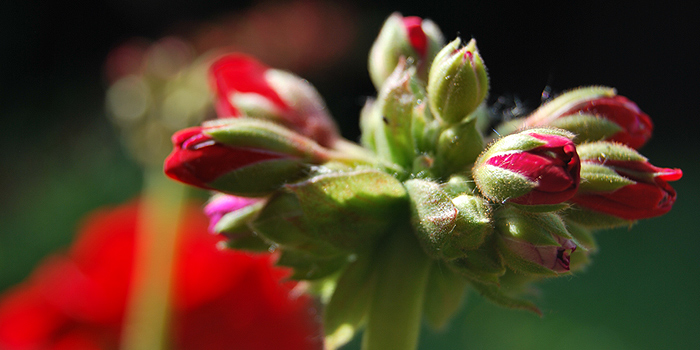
x,y
494,216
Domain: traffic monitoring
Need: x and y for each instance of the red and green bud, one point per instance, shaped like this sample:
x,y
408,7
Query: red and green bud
x,y
226,211
594,114
241,156
229,216
619,182
458,82
535,243
415,39
246,87
533,167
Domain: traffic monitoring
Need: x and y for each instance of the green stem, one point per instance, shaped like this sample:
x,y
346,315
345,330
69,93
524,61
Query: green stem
x,y
395,312
146,320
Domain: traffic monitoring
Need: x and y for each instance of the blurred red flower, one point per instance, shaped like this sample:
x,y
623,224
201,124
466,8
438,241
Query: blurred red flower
x,y
221,299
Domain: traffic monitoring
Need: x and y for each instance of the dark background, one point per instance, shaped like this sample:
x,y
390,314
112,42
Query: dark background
x,y
60,157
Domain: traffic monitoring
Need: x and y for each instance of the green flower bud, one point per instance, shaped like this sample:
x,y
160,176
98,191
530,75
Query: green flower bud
x,y
458,147
458,82
394,107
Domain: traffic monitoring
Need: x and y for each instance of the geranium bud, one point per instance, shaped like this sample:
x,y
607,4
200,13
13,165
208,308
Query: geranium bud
x,y
229,214
473,221
458,82
416,39
246,87
234,166
595,113
393,116
533,167
618,181
536,243
458,147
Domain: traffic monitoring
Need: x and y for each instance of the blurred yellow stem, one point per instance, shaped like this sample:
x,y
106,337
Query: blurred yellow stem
x,y
147,315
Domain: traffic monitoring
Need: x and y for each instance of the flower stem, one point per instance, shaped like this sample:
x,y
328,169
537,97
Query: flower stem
x,y
146,319
396,308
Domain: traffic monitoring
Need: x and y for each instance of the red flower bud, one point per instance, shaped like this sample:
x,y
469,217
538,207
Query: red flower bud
x,y
530,168
247,87
619,119
647,195
636,125
198,159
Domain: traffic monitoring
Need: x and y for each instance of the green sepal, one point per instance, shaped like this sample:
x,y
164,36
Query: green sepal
x,y
261,178
350,210
550,111
535,228
265,135
499,185
237,220
458,147
587,127
603,150
348,305
499,296
522,265
541,208
281,222
514,142
433,217
248,241
583,236
600,178
594,220
473,222
443,295
483,264
307,266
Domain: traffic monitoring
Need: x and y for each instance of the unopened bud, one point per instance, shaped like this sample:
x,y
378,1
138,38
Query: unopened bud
x,y
458,82
533,167
413,38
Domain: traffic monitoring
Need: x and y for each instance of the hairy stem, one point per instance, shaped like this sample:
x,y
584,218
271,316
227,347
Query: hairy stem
x,y
395,312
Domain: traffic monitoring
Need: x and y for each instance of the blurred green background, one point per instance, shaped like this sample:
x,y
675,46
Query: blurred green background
x,y
61,157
